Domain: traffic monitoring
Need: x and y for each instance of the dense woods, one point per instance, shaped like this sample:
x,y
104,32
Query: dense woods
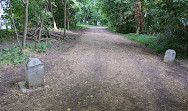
x,y
125,16
36,19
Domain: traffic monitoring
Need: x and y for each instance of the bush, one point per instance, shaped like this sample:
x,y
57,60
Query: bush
x,y
168,41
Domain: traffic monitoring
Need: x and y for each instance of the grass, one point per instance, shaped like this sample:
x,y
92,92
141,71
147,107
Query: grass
x,y
80,26
150,41
84,25
159,44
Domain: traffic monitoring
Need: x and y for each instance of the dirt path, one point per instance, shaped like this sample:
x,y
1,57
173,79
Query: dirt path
x,y
101,72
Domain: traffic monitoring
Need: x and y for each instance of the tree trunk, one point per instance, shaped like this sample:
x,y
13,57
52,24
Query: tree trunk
x,y
26,23
139,17
138,28
75,22
68,24
12,17
186,29
68,19
52,12
65,16
42,22
75,25
95,23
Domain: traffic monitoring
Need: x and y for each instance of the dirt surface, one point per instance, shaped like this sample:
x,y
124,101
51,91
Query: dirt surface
x,y
100,71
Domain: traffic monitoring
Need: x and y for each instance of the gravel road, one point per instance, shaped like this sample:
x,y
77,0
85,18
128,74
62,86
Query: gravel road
x,y
103,71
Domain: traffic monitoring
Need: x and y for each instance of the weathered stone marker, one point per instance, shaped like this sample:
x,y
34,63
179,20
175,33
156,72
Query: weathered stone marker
x,y
34,73
170,56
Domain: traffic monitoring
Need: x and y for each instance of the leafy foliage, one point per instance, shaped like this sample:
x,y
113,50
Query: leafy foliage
x,y
13,55
119,15
6,35
36,11
81,12
10,56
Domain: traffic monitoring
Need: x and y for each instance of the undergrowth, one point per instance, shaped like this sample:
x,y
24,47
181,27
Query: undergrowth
x,y
6,35
13,55
161,43
77,28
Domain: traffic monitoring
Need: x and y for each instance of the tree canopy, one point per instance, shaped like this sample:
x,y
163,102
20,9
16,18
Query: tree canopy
x,y
122,15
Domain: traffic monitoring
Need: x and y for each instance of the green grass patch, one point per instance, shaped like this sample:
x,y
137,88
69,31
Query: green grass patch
x,y
79,27
84,25
150,41
73,28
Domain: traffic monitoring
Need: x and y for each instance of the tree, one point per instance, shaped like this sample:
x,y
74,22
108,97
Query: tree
x,y
65,17
119,14
42,23
52,12
139,16
12,17
68,16
26,3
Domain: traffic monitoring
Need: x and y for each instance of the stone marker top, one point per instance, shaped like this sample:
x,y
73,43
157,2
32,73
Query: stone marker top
x,y
33,62
171,50
170,56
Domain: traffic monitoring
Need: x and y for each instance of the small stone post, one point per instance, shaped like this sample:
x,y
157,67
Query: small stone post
x,y
170,56
34,73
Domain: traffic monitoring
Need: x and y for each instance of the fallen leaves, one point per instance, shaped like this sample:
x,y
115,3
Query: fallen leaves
x,y
38,104
184,101
48,106
91,96
68,109
149,79
19,94
79,103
